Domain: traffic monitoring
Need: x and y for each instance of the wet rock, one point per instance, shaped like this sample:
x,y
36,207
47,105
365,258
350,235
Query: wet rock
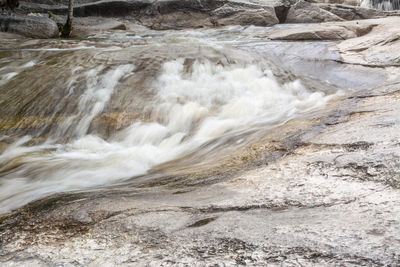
x,y
29,26
331,31
304,12
92,25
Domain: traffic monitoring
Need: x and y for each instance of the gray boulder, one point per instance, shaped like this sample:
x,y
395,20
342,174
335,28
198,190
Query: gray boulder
x,y
29,26
281,6
304,12
230,14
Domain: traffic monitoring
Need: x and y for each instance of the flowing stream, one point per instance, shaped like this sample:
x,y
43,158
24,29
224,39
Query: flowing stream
x,y
80,114
386,5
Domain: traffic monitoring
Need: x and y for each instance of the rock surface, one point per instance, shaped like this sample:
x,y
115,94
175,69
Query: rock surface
x,y
351,12
321,190
29,26
380,48
304,12
324,31
176,14
231,15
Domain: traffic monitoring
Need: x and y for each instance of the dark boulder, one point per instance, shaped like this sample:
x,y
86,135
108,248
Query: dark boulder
x,y
29,26
178,14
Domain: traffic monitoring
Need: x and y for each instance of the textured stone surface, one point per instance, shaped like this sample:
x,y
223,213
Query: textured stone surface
x,y
325,31
176,14
304,12
231,15
380,48
29,26
351,12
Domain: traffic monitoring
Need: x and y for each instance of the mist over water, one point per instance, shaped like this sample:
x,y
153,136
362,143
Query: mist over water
x,y
187,104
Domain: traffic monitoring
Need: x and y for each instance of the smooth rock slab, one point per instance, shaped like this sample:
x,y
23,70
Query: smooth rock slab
x,y
380,48
29,26
324,31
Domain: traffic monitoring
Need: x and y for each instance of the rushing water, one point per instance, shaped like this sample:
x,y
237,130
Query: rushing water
x,y
84,113
387,5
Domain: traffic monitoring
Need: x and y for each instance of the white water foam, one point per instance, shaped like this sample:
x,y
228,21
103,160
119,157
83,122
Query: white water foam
x,y
92,102
188,110
11,70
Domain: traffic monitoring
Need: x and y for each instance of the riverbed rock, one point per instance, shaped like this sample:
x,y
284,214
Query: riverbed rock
x,y
176,14
380,48
323,31
92,25
29,26
230,14
305,12
347,12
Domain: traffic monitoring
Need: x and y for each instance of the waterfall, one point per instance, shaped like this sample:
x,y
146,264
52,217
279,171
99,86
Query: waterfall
x,y
380,4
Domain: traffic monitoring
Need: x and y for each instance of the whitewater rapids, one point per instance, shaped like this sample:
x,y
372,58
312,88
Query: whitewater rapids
x,y
188,106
